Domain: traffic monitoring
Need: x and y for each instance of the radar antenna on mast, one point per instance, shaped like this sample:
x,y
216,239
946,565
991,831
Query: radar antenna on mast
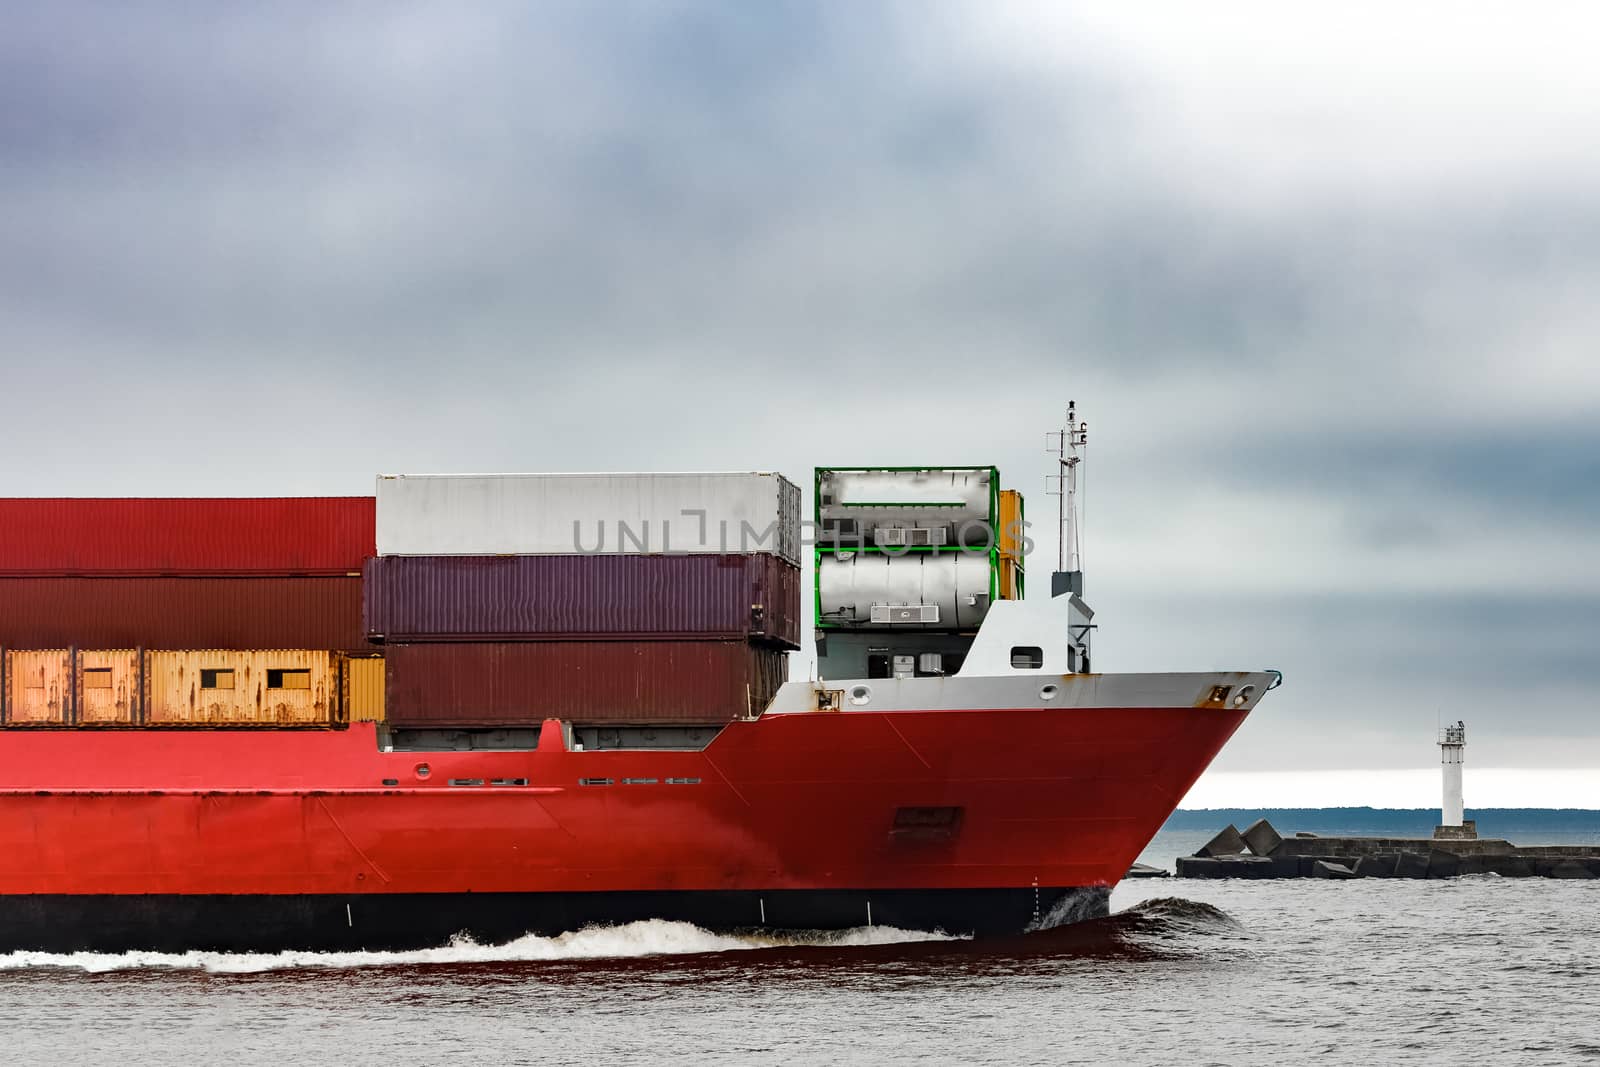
x,y
1067,444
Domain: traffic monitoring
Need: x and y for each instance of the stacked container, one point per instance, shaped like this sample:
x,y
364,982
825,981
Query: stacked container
x,y
908,562
93,591
1010,542
505,599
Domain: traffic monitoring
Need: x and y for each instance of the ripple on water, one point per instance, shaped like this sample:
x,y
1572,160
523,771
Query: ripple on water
x,y
1411,972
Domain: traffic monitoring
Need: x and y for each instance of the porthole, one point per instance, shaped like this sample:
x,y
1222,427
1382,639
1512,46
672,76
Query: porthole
x,y
860,694
423,770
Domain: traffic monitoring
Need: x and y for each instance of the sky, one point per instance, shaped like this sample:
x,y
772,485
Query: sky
x,y
1320,280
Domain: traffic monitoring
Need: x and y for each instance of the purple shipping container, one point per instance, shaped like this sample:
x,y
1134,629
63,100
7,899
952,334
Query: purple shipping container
x,y
587,597
525,682
177,613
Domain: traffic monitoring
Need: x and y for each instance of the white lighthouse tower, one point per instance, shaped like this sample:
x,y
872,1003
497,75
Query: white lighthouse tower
x,y
1452,756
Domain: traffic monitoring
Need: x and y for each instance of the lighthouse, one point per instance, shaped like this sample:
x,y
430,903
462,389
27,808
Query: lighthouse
x,y
1452,755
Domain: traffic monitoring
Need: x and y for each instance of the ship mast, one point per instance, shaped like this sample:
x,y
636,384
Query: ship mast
x,y
1067,444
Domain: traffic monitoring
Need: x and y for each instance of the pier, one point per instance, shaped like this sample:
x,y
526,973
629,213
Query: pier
x,y
1455,849
1261,852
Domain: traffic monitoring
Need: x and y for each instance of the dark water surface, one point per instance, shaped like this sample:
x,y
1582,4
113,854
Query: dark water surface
x,y
1182,972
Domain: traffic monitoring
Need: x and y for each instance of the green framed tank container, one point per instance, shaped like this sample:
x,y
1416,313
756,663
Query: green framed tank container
x,y
912,548
924,507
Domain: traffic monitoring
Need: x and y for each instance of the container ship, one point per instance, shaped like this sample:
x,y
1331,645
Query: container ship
x,y
495,705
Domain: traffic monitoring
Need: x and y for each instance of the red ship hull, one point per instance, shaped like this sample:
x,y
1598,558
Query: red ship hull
x,y
968,820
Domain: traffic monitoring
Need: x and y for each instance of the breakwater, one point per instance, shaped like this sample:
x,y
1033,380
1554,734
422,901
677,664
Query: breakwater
x,y
1261,852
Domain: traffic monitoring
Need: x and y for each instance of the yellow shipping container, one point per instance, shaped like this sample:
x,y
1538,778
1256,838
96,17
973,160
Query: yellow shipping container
x,y
38,687
108,687
1011,524
1013,533
363,688
1010,579
274,687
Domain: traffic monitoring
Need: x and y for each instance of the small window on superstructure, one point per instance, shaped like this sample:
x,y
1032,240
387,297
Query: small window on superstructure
x,y
1027,657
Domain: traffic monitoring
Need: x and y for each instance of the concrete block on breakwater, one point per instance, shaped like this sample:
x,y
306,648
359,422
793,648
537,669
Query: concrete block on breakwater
x,y
1227,843
1261,852
1410,865
1330,869
1144,870
1261,838
1570,869
1381,865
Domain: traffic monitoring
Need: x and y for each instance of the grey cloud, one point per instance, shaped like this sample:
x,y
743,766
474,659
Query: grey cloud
x,y
723,179
1368,672
279,249
1549,469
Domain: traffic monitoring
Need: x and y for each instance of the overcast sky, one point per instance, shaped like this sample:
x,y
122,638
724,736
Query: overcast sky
x,y
1323,282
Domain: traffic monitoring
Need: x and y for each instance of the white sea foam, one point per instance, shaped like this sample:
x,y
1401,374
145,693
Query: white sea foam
x,y
1075,907
860,937
652,937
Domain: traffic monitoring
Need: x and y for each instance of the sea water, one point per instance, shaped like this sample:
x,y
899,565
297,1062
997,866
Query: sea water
x,y
1192,972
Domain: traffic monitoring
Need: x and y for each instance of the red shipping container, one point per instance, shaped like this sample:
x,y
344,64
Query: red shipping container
x,y
178,613
504,684
510,598
152,536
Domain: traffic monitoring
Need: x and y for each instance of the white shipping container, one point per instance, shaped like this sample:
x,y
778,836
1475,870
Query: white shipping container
x,y
553,514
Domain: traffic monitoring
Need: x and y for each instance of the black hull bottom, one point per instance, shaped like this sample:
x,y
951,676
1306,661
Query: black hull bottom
x,y
272,923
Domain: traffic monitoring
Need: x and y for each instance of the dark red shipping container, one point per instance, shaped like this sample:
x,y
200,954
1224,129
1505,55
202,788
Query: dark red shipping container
x,y
503,684
509,598
152,536
231,613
